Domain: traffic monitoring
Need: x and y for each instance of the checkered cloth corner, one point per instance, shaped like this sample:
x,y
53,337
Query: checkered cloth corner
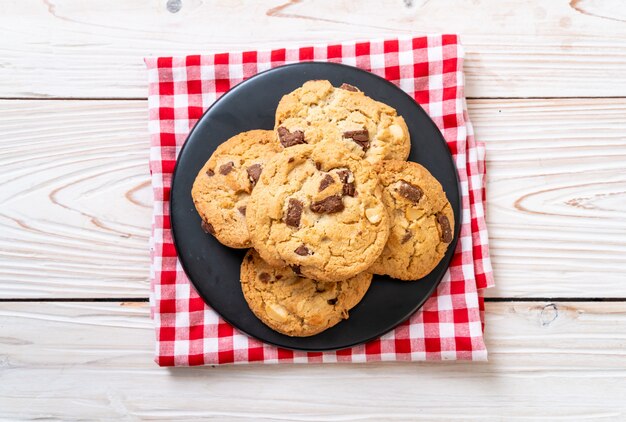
x,y
430,69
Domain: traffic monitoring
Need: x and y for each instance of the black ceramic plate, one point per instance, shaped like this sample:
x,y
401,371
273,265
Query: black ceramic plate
x,y
214,269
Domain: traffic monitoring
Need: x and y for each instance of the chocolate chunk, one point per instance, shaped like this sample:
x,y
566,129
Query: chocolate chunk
x,y
408,235
410,192
289,139
242,210
278,276
446,231
303,251
318,165
227,168
332,301
328,205
326,182
264,277
296,269
348,187
361,137
291,160
210,173
349,87
294,212
254,172
207,227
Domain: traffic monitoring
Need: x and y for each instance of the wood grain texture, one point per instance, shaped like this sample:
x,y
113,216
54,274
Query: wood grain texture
x,y
75,207
514,49
75,203
556,195
94,361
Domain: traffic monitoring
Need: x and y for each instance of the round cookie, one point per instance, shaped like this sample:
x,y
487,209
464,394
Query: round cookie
x,y
297,306
422,221
223,185
318,111
318,209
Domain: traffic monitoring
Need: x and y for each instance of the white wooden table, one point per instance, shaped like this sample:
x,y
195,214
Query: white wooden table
x,y
547,88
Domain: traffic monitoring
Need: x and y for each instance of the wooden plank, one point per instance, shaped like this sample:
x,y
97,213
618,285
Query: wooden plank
x,y
556,195
75,207
533,48
72,361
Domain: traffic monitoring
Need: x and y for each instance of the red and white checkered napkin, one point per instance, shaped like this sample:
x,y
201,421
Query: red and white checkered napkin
x,y
430,69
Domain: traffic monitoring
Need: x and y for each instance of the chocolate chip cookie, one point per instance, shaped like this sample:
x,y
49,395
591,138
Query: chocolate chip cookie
x,y
318,111
319,210
223,185
422,221
297,306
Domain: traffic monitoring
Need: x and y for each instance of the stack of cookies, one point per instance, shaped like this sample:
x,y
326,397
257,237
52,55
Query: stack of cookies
x,y
325,200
